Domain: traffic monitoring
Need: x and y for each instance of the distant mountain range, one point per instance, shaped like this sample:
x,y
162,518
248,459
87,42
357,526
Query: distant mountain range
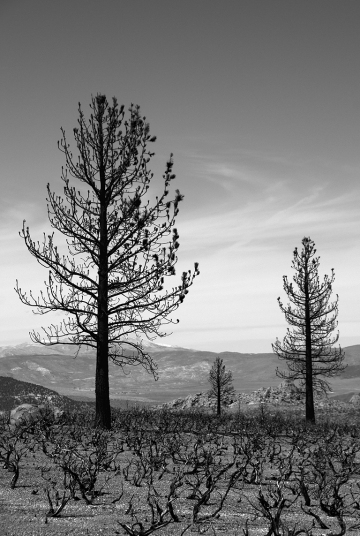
x,y
182,371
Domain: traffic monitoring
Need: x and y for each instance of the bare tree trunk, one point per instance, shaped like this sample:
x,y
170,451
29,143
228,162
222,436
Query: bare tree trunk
x,y
219,392
102,391
309,402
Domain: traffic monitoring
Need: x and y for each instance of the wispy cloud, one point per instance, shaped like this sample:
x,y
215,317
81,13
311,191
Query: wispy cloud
x,y
243,239
244,243
272,218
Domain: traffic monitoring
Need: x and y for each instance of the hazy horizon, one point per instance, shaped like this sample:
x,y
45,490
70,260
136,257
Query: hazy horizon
x,y
260,104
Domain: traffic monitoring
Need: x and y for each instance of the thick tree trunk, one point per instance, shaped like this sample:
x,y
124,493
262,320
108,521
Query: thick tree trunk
x,y
102,391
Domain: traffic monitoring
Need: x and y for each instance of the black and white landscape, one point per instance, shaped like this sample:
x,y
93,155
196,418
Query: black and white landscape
x,y
182,372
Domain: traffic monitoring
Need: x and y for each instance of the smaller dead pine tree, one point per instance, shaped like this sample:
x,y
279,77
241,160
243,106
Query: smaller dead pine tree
x,y
221,384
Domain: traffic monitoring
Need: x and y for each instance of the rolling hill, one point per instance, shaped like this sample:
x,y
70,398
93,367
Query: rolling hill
x,y
181,371
14,392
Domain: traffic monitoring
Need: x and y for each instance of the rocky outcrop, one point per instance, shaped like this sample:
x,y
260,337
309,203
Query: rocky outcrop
x,y
200,400
285,393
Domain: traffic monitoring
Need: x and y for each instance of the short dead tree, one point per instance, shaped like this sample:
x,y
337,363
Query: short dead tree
x,y
221,388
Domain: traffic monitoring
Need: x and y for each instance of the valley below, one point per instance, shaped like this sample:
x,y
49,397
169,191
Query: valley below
x,y
181,372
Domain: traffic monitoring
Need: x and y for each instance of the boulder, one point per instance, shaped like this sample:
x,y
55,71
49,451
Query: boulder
x,y
24,411
30,412
355,400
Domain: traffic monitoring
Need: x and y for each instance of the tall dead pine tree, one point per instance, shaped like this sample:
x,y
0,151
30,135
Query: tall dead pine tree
x,y
120,247
307,348
221,384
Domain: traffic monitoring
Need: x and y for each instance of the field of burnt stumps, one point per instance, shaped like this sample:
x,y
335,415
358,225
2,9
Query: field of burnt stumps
x,y
181,472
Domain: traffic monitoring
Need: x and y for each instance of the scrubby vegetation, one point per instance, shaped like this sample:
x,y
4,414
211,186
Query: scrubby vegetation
x,y
182,472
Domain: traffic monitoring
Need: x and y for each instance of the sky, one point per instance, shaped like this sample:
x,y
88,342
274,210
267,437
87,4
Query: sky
x,y
258,100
